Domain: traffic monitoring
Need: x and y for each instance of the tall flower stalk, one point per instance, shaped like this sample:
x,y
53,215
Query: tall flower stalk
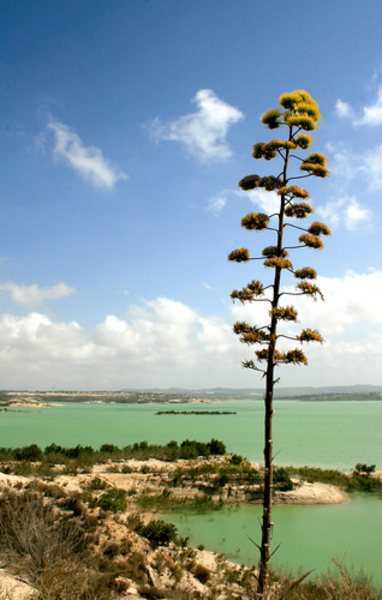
x,y
299,114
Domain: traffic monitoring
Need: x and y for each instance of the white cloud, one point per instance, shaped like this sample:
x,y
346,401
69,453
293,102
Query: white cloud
x,y
217,203
88,162
350,306
355,214
343,109
203,133
372,168
371,115
166,343
33,295
350,166
269,202
345,211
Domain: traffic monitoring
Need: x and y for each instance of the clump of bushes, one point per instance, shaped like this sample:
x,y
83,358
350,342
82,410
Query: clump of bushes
x,y
282,480
156,531
114,500
360,480
81,458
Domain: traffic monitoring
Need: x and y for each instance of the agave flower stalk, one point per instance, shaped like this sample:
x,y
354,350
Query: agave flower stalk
x,y
299,114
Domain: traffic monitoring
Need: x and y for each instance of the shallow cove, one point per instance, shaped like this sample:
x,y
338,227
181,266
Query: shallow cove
x,y
310,536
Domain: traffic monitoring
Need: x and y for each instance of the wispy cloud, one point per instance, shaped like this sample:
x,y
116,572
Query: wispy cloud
x,y
87,161
343,109
203,132
217,203
346,211
372,168
370,115
349,165
33,295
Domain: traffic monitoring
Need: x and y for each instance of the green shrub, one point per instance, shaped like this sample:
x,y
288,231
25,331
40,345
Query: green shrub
x,y
97,484
109,448
282,480
113,500
216,447
236,459
158,532
32,453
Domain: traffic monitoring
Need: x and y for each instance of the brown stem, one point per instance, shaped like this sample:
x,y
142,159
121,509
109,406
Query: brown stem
x,y
266,528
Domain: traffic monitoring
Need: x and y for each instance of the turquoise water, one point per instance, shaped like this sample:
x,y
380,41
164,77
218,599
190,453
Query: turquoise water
x,y
333,434
310,536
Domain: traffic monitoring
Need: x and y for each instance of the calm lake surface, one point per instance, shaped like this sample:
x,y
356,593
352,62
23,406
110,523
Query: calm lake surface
x,y
323,434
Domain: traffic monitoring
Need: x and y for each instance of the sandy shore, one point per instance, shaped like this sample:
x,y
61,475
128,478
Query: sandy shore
x,y
154,477
152,474
313,493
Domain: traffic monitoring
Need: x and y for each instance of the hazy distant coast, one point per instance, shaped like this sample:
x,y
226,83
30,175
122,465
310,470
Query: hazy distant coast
x,y
38,399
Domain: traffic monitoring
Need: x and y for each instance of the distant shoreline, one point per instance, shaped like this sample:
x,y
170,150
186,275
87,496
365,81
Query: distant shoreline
x,y
24,400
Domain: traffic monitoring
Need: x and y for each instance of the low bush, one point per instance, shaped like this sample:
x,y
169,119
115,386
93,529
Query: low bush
x,y
282,480
114,500
34,534
360,480
158,532
97,484
31,453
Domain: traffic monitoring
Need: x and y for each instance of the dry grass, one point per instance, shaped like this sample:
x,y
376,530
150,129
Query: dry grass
x,y
50,547
341,583
49,538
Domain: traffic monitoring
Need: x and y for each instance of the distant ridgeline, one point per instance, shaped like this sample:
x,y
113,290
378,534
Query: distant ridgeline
x,y
183,396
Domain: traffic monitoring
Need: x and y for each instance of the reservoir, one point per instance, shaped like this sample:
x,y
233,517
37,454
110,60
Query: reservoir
x,y
323,434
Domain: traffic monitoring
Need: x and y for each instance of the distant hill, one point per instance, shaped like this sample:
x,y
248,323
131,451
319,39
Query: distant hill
x,y
281,392
24,399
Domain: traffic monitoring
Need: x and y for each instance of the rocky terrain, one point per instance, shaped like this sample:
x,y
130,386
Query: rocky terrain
x,y
98,533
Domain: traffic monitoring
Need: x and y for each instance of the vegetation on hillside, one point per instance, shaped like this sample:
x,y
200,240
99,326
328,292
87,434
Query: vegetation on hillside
x,y
68,546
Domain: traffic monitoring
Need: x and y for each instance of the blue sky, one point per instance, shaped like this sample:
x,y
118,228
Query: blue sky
x,y
126,127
